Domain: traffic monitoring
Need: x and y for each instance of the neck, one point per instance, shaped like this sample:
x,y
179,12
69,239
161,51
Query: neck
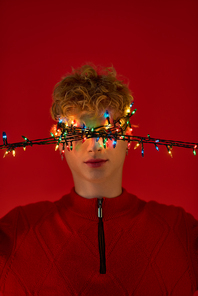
x,y
107,187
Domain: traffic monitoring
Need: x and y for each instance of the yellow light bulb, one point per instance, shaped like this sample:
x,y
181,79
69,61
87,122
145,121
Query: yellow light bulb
x,y
24,148
13,153
5,154
169,151
56,148
137,145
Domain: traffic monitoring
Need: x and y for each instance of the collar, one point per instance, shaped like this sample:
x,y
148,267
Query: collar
x,y
111,207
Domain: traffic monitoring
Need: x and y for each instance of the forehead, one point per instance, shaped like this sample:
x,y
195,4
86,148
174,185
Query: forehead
x,y
90,119
84,115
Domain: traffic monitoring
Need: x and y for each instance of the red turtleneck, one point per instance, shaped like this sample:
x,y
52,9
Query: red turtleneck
x,y
70,247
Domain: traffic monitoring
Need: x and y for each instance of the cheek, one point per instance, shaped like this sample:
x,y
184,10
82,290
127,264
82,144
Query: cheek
x,y
122,145
77,146
75,155
71,160
119,151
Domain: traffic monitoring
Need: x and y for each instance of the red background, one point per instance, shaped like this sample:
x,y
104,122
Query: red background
x,y
152,43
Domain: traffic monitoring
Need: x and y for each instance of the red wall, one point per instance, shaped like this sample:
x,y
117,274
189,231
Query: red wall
x,y
153,43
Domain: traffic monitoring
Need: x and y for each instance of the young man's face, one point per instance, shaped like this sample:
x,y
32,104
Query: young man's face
x,y
90,149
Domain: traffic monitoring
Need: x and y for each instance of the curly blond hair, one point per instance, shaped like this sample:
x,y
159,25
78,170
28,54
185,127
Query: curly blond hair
x,y
92,90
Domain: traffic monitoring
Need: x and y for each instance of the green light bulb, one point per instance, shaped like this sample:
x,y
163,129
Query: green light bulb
x,y
133,112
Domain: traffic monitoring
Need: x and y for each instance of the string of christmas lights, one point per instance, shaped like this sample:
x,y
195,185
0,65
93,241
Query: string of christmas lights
x,y
63,133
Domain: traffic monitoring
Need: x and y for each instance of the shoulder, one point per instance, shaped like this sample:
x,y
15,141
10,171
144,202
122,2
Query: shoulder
x,y
170,213
168,218
19,220
28,214
174,218
18,223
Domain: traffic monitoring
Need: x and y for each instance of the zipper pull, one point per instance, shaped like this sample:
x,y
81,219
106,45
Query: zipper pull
x,y
101,239
99,208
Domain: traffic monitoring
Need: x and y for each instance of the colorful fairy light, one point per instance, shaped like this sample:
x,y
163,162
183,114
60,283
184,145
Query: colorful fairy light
x,y
194,151
63,133
114,143
128,111
67,145
169,148
137,145
62,154
84,139
4,138
133,112
142,151
26,139
6,153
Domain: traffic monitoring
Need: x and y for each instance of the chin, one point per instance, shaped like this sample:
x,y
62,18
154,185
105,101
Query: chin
x,y
96,179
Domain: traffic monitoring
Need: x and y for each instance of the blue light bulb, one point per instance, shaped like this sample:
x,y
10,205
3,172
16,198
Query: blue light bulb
x,y
114,143
106,114
142,152
4,138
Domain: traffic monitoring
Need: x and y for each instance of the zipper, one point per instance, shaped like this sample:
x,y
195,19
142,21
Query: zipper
x,y
101,240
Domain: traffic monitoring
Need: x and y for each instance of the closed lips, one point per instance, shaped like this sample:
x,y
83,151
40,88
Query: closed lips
x,y
96,160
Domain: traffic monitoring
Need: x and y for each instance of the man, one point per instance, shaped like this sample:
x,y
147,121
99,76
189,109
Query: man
x,y
98,239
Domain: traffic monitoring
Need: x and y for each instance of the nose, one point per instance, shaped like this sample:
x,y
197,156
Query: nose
x,y
95,145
